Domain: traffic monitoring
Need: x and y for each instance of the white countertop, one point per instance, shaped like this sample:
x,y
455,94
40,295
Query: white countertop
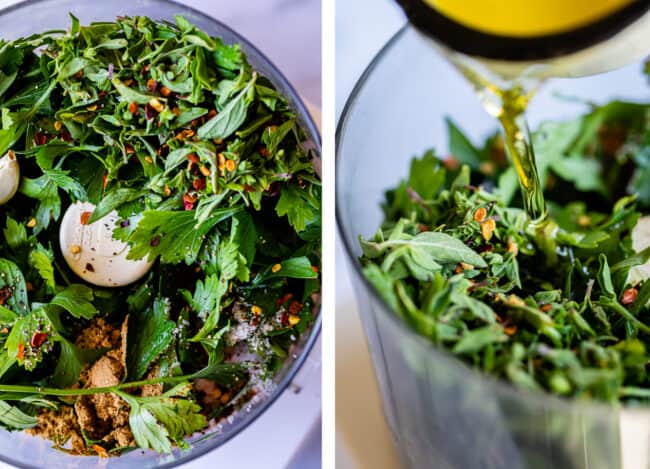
x,y
362,437
288,434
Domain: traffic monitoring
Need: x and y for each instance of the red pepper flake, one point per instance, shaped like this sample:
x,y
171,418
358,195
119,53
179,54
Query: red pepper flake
x,y
40,138
284,299
155,242
188,201
480,214
193,168
162,151
85,216
89,267
547,307
5,294
487,229
21,351
149,112
314,269
65,136
38,339
285,319
264,152
133,108
510,330
275,189
248,188
212,113
451,163
295,307
105,181
199,184
193,158
29,286
128,149
100,450
629,296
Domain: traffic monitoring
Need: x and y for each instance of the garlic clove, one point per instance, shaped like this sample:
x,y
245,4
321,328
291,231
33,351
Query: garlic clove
x,y
9,177
92,253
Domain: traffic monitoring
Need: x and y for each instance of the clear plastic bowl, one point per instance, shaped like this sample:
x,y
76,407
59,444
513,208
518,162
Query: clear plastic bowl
x,y
440,412
23,19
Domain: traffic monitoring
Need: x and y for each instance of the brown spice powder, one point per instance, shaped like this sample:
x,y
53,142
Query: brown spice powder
x,y
104,416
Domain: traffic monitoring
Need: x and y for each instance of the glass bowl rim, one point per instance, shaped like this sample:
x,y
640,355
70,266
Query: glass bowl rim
x,y
313,133
501,386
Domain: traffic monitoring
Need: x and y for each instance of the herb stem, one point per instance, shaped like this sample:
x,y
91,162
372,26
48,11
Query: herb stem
x,y
618,308
45,391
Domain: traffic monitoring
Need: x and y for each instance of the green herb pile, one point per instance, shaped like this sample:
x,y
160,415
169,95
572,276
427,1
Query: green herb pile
x,y
561,308
205,163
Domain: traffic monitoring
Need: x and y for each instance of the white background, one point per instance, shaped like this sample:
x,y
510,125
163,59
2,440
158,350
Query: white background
x,y
289,33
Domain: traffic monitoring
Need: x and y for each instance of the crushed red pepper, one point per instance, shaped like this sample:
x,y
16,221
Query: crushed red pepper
x,y
5,294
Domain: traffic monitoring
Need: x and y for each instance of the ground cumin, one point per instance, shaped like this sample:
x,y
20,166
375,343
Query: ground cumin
x,y
102,417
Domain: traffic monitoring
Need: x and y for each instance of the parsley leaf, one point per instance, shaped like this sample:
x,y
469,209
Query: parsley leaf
x,y
174,236
71,361
299,205
76,300
46,190
11,278
156,422
152,334
15,233
41,260
13,417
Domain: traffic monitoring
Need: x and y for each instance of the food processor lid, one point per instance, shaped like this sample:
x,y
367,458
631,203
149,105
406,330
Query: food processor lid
x,y
491,45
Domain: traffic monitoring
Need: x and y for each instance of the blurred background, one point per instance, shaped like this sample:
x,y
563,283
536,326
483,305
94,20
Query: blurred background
x,y
362,437
288,434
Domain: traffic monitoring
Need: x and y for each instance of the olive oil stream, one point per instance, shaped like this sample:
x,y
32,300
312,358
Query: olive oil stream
x,y
508,104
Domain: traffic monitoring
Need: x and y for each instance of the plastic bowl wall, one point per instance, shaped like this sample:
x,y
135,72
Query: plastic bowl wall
x,y
31,17
441,413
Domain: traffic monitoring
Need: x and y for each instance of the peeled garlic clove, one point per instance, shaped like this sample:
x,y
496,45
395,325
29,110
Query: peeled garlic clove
x,y
9,177
92,253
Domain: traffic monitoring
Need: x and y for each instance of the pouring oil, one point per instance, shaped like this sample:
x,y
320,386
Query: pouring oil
x,y
508,104
507,48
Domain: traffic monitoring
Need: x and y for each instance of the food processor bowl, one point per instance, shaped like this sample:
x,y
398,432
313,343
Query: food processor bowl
x,y
441,413
34,16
